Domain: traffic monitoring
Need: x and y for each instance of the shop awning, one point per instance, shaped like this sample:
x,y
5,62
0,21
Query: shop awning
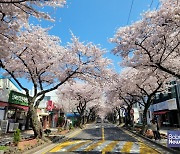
x,y
161,112
19,106
68,115
43,114
3,104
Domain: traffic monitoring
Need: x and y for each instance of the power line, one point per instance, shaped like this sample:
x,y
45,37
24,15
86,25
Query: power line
x,y
151,4
130,11
157,5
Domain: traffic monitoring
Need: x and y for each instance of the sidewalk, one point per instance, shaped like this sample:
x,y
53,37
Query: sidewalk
x,y
164,130
7,139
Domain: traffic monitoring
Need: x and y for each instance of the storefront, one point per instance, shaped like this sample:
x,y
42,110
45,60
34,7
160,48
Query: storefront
x,y
166,113
16,111
54,113
43,118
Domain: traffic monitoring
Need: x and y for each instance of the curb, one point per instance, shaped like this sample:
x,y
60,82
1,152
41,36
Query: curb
x,y
50,144
57,139
36,148
157,144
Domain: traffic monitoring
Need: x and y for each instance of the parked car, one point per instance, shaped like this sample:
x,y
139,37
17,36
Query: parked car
x,y
105,121
98,120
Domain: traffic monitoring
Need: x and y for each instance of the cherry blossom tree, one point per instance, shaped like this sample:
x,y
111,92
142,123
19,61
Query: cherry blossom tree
x,y
83,95
113,101
137,86
117,105
146,84
39,58
154,41
14,16
119,95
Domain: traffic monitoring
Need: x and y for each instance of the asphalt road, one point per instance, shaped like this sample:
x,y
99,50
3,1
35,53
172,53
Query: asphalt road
x,y
102,138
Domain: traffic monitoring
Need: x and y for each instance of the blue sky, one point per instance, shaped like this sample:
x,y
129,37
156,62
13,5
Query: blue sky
x,y
95,20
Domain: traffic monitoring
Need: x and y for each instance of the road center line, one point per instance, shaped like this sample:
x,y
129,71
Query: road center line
x,y
102,133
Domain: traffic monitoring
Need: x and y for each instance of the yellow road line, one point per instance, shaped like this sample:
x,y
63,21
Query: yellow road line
x,y
103,133
127,147
110,147
141,142
68,136
59,147
78,145
91,147
147,150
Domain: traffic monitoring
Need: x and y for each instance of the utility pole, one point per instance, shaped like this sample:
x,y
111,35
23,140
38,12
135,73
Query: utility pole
x,y
177,92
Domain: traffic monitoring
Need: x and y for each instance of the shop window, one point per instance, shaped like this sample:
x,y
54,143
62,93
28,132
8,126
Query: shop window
x,y
157,96
11,115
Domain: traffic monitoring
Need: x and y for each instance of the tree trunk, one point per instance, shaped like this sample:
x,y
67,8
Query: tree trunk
x,y
28,121
80,121
144,120
128,120
89,117
119,113
36,124
83,120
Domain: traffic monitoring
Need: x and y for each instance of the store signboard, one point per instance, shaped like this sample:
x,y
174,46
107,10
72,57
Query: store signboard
x,y
160,106
18,98
50,105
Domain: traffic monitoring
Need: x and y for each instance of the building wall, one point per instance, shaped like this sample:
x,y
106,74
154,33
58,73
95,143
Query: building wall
x,y
136,115
6,85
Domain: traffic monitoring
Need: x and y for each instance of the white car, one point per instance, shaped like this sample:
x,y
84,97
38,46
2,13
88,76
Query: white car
x,y
98,120
105,121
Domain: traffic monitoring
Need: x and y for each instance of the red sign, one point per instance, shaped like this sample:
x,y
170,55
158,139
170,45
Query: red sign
x,y
50,106
132,111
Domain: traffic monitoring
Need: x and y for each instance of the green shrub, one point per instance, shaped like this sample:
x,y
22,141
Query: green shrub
x,y
60,129
60,121
71,126
17,136
75,124
3,147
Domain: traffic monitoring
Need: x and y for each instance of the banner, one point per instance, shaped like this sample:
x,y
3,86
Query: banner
x,y
173,138
50,106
